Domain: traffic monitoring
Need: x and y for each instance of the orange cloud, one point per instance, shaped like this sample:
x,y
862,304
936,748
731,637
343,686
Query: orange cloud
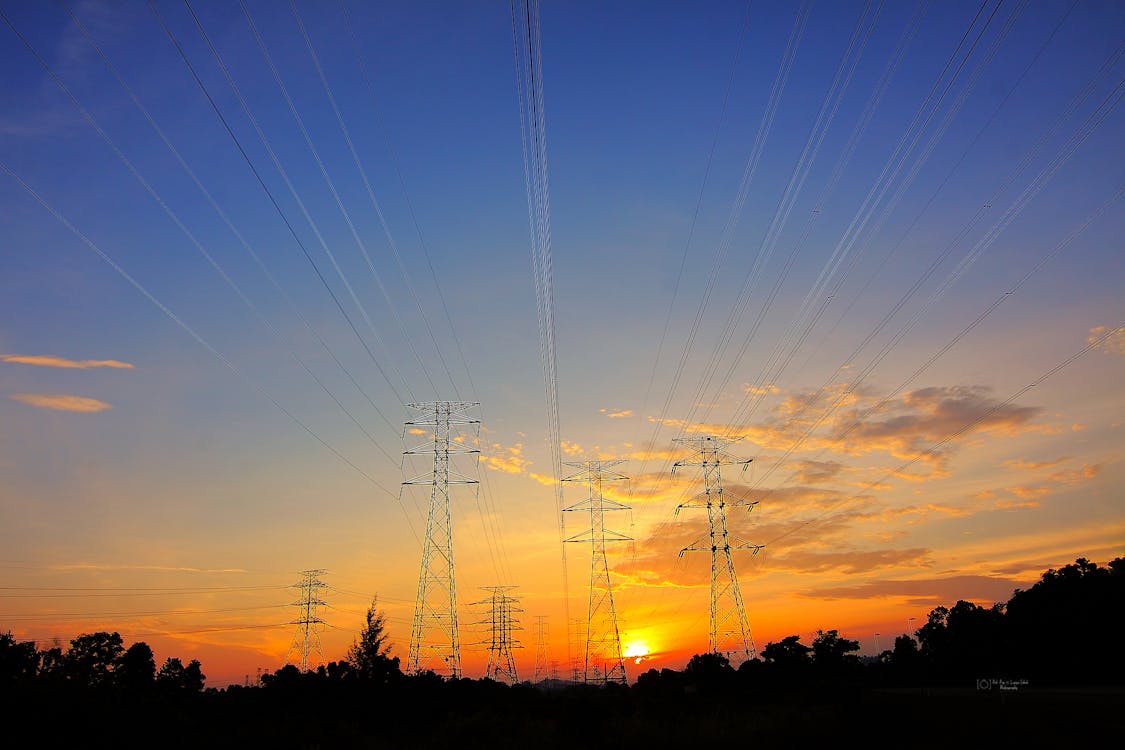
x,y
1114,343
927,590
815,472
61,402
508,460
618,414
49,360
1018,463
861,423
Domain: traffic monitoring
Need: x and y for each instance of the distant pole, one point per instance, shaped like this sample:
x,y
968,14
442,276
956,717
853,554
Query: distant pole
x,y
604,662
434,636
579,648
877,651
908,628
729,631
540,648
307,637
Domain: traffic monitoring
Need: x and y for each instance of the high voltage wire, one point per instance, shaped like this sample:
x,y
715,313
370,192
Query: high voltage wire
x,y
860,127
764,127
150,613
374,202
315,153
1021,202
810,311
528,65
882,263
296,196
698,206
226,220
139,591
191,332
828,190
1008,25
269,194
1093,344
857,43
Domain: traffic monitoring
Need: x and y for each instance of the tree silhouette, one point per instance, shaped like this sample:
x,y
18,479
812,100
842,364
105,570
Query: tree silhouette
x,y
789,653
174,676
18,661
369,656
833,655
136,670
91,659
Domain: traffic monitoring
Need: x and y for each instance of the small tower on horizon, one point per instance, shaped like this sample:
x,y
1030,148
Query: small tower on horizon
x,y
308,622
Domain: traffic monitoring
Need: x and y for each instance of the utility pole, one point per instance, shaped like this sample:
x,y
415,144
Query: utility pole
x,y
307,637
501,661
603,640
729,631
434,637
541,633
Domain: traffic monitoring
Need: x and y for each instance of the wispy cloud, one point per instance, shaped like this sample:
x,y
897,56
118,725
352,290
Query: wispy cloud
x,y
1113,344
617,413
61,402
158,568
50,360
938,590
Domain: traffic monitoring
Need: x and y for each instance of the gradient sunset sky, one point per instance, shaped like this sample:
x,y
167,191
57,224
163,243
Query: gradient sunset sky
x,y
914,221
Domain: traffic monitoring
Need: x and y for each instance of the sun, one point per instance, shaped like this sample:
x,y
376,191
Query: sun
x,y
636,650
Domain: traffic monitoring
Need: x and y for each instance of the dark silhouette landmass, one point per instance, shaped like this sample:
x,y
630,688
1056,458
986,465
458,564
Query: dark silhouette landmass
x,y
1042,670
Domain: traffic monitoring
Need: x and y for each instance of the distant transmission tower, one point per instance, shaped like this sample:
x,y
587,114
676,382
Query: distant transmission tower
x,y
603,640
434,638
501,624
730,633
541,633
307,637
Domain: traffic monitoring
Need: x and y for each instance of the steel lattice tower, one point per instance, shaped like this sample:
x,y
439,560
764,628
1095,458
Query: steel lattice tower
x,y
501,623
729,633
603,640
540,648
307,637
434,637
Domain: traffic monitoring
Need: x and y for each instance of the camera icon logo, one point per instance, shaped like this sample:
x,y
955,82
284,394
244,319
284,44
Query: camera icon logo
x,y
984,684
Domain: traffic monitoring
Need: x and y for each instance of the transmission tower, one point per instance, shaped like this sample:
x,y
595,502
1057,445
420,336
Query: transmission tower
x,y
307,637
730,633
434,638
576,627
541,633
501,624
603,640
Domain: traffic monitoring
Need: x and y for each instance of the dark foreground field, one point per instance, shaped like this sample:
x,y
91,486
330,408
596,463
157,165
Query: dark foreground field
x,y
493,716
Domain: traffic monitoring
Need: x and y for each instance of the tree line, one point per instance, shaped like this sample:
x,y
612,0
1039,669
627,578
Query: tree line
x,y
1064,630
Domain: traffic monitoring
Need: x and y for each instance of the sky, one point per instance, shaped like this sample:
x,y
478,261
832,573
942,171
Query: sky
x,y
863,241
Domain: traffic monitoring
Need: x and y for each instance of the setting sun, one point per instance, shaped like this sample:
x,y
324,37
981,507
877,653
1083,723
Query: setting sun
x,y
636,650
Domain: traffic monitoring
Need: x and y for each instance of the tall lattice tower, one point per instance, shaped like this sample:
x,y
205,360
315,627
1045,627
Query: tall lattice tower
x,y
434,637
501,624
730,633
541,633
603,662
307,637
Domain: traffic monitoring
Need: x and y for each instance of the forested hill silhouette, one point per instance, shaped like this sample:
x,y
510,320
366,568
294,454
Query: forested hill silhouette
x,y
1039,668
